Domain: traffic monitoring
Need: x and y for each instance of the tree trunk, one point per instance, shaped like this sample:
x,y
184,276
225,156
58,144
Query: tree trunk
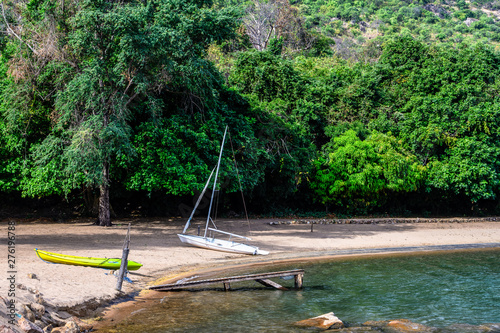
x,y
91,202
104,206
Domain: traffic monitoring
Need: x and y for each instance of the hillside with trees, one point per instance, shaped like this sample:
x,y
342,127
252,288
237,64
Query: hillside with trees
x,y
117,108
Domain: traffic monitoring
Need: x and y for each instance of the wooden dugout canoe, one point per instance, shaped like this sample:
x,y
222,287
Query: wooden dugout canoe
x,y
106,263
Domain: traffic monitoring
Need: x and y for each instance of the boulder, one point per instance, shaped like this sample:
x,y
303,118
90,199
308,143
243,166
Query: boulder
x,y
58,330
7,329
26,312
27,326
48,328
70,327
324,321
469,21
437,10
40,324
39,299
81,324
52,318
38,309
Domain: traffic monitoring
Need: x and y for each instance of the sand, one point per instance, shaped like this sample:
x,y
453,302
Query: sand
x,y
155,244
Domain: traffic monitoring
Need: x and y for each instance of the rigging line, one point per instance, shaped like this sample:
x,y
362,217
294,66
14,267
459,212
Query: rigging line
x,y
239,181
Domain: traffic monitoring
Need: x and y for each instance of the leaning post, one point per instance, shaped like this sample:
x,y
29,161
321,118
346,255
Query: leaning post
x,y
124,262
299,280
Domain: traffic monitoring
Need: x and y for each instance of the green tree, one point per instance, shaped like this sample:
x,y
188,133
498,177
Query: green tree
x,y
445,102
127,55
358,175
266,76
176,154
7,176
469,167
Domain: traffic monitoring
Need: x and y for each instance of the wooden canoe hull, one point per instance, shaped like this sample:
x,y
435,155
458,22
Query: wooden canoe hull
x,y
106,263
220,245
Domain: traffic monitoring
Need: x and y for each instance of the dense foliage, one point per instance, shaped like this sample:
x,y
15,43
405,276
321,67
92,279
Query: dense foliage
x,y
359,107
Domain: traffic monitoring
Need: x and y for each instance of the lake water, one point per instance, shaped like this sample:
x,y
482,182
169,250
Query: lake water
x,y
438,290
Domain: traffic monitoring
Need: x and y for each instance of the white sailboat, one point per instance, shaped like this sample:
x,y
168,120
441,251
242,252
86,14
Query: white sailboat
x,y
209,240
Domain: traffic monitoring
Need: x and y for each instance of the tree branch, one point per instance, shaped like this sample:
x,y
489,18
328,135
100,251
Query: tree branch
x,y
131,99
12,31
128,86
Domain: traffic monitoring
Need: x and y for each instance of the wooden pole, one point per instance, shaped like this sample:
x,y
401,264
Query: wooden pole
x,y
298,280
124,262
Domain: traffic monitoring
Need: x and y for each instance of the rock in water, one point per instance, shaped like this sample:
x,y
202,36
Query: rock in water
x,y
404,325
399,326
325,321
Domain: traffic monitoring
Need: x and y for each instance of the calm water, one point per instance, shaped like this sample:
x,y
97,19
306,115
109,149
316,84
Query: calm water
x,y
432,289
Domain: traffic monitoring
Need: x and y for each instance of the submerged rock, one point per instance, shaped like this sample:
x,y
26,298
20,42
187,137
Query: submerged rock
x,y
354,330
400,326
466,328
324,321
404,325
494,327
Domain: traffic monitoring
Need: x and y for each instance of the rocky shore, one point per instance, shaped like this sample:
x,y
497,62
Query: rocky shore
x,y
32,314
384,220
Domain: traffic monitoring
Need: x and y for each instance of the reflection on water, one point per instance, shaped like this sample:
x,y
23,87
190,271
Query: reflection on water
x,y
432,289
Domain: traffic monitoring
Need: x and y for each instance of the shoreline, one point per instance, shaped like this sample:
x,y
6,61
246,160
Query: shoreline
x,y
87,292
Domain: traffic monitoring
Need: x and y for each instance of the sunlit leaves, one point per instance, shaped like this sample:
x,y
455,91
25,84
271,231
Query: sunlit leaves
x,y
357,174
470,167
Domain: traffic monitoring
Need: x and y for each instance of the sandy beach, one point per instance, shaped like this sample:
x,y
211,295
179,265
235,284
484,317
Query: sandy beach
x,y
86,292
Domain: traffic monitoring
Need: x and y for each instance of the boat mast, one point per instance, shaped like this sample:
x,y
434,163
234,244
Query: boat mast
x,y
198,202
215,182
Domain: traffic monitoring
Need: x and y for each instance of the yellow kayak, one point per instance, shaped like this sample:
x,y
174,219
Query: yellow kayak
x,y
107,263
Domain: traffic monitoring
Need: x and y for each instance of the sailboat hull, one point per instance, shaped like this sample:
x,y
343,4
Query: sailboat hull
x,y
220,245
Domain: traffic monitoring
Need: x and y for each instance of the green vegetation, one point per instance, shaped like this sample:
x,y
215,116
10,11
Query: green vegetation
x,y
350,107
